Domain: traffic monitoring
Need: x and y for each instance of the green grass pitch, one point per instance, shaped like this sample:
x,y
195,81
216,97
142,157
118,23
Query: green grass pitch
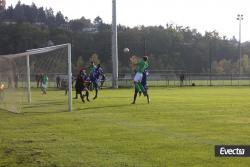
x,y
179,128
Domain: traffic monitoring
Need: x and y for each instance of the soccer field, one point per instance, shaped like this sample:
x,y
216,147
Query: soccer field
x,y
179,128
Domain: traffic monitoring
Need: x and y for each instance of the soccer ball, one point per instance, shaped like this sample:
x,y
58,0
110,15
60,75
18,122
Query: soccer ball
x,y
126,50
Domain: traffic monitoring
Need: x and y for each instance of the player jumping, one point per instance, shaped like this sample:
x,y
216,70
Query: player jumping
x,y
95,78
80,85
140,69
145,86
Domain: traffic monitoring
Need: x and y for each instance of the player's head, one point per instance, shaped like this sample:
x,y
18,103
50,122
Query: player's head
x,y
92,63
145,58
1,86
98,65
82,70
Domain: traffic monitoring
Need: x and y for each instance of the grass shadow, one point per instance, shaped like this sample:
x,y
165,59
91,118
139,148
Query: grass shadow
x,y
43,112
108,106
47,104
124,97
8,111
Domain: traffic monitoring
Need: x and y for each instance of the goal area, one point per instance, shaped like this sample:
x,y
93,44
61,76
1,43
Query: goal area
x,y
36,77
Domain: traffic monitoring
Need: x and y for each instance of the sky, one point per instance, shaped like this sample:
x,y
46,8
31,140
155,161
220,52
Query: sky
x,y
203,15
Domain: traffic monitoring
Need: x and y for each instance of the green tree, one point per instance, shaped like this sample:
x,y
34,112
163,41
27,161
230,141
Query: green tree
x,y
59,19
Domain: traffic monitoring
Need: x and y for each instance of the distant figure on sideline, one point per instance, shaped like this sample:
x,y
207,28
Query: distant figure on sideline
x,y
37,78
64,85
182,77
58,81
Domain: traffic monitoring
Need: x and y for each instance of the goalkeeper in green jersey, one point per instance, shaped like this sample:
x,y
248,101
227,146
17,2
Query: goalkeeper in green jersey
x,y
91,68
90,71
44,85
141,67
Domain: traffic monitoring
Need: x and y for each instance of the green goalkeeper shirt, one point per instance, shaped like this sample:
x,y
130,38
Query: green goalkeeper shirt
x,y
91,68
141,66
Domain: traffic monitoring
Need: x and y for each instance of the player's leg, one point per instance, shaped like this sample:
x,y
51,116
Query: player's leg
x,y
96,93
42,89
45,90
135,96
85,89
102,82
91,86
145,92
147,95
148,98
95,84
137,87
82,96
141,87
137,80
88,85
77,92
87,95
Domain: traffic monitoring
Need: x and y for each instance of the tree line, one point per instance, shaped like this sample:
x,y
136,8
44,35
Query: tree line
x,y
169,47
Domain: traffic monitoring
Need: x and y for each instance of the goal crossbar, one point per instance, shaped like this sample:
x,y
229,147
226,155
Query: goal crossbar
x,y
35,51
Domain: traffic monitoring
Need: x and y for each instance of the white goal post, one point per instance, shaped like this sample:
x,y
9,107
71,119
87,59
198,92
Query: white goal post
x,y
29,54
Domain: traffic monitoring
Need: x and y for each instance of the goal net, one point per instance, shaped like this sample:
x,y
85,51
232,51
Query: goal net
x,y
37,78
